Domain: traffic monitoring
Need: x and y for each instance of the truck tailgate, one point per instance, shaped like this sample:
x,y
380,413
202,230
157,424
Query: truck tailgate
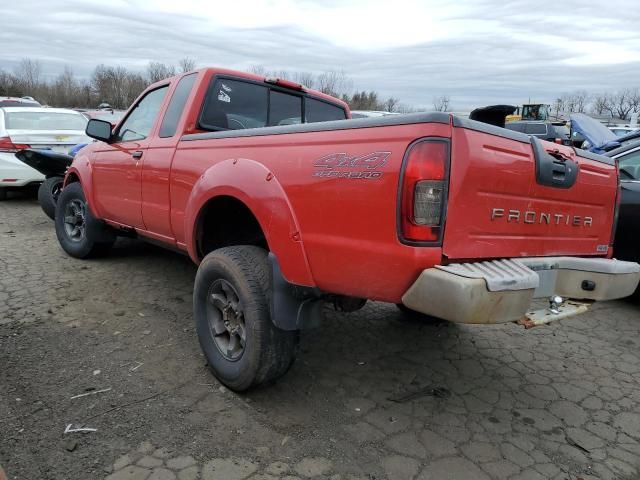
x,y
498,207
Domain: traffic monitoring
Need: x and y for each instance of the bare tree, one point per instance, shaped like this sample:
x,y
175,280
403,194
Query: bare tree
x,y
441,103
391,104
157,71
601,103
28,75
333,83
258,70
620,104
187,64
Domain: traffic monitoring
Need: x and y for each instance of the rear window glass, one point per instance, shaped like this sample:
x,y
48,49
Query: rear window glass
x,y
317,111
516,127
44,121
536,128
236,104
231,104
18,103
176,106
285,109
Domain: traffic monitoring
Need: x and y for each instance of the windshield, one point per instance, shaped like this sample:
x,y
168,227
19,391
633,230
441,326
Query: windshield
x,y
44,121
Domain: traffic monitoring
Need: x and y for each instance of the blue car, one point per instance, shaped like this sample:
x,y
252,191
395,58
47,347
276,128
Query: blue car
x,y
598,138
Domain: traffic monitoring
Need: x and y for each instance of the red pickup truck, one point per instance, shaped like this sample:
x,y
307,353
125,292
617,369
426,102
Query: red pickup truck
x,y
284,203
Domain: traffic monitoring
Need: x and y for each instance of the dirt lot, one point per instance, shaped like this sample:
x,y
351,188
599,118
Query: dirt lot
x,y
371,396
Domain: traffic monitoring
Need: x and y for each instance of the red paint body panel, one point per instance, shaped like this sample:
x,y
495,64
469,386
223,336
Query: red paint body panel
x,y
340,234
490,172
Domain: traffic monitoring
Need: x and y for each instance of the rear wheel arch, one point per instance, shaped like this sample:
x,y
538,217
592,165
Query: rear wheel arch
x,y
225,221
252,189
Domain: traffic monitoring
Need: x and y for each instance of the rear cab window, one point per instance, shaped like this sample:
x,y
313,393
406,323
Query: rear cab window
x,y
176,106
235,104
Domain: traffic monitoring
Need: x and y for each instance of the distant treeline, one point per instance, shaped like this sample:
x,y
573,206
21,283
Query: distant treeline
x,y
119,86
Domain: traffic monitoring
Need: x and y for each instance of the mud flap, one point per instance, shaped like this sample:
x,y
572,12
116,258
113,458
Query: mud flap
x,y
292,307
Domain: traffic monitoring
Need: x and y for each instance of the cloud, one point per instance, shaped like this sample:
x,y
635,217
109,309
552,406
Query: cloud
x,y
475,52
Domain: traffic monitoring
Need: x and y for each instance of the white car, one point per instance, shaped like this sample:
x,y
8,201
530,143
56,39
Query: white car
x,y
370,113
56,129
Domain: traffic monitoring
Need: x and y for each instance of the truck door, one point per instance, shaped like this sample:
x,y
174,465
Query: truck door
x,y
117,169
156,165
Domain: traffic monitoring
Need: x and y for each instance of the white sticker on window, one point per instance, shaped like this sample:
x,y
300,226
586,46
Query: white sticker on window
x,y
225,88
223,97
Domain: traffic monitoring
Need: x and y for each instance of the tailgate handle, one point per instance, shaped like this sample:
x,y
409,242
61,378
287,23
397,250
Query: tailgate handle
x,y
553,171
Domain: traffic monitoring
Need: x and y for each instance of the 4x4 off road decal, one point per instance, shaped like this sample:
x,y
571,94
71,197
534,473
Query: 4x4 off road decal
x,y
343,165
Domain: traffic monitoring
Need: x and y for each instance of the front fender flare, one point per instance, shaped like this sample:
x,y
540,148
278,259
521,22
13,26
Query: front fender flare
x,y
81,168
257,187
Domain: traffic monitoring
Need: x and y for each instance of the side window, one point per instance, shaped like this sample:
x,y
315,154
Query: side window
x,y
139,123
284,109
536,128
317,111
517,127
176,106
631,164
232,104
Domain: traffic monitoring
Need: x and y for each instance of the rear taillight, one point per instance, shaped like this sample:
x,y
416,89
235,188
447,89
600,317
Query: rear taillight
x,y
424,191
558,141
7,145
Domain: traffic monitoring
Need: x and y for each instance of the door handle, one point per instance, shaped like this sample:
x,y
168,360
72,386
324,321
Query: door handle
x,y
137,154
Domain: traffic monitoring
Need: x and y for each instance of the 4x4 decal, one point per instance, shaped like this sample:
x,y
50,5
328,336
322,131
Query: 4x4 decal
x,y
343,165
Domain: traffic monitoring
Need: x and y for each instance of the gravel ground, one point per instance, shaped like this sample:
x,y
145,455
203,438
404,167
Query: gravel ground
x,y
109,345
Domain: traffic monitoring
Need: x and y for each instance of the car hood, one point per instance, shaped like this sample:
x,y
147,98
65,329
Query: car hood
x,y
599,137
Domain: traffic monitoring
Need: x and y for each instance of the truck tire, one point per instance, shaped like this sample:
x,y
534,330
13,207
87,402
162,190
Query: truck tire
x,y
48,195
231,308
80,234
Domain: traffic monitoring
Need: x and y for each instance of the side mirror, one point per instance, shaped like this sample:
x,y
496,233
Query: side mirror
x,y
99,129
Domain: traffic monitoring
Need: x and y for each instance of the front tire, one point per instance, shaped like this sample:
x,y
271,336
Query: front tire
x,y
80,234
48,194
243,347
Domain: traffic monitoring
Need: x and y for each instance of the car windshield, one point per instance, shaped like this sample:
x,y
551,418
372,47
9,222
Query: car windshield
x,y
44,121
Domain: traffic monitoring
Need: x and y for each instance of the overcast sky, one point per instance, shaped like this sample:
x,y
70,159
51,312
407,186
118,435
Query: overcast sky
x,y
477,52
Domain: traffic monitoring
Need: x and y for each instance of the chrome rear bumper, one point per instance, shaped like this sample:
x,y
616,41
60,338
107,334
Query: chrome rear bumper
x,y
501,291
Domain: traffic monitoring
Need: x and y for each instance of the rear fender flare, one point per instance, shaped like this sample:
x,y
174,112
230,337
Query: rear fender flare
x,y
257,187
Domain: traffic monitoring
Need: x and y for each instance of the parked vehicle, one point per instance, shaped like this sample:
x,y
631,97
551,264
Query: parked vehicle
x,y
284,205
54,129
626,245
599,138
53,165
493,114
621,131
556,132
370,113
18,102
110,115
